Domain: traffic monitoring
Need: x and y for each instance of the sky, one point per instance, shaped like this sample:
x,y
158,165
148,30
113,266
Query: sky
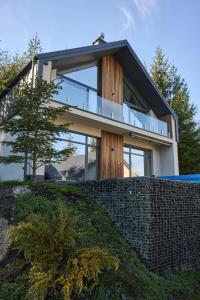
x,y
174,25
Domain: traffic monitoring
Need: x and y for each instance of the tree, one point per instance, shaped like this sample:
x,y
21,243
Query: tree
x,y
175,90
34,126
34,47
10,65
49,245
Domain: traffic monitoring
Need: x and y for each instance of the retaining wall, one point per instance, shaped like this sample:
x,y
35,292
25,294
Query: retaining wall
x,y
159,218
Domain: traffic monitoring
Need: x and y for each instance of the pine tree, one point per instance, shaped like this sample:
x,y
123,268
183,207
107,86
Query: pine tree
x,y
34,126
34,47
10,65
175,90
160,72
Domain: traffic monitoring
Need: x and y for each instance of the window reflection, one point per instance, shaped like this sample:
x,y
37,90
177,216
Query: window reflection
x,y
74,166
126,165
137,165
136,162
92,163
82,163
86,76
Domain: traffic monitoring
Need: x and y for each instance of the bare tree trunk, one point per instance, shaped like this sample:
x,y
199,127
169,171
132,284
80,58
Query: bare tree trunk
x,y
34,169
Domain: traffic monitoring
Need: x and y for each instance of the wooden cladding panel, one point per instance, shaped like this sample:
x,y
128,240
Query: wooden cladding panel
x,y
111,79
111,159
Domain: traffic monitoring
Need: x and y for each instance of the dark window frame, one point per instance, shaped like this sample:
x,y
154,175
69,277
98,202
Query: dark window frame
x,y
147,155
87,145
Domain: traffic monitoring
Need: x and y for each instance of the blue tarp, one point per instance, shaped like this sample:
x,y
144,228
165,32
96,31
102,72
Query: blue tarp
x,y
188,178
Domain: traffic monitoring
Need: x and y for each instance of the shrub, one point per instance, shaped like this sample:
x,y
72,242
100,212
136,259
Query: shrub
x,y
48,243
32,204
12,291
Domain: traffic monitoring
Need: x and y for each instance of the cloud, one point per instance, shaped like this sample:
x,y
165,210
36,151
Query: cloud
x,y
129,23
145,7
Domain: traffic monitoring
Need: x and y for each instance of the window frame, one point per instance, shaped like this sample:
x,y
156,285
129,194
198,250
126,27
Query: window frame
x,y
147,155
87,145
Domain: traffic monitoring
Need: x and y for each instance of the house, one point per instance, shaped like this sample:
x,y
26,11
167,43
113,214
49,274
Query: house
x,y
121,124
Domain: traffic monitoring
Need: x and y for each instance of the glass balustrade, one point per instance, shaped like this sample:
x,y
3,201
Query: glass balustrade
x,y
86,98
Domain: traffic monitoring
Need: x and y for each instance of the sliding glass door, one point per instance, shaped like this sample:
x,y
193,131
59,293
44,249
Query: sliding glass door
x,y
137,162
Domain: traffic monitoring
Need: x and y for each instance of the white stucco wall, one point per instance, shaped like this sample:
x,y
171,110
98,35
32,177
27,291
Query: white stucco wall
x,y
11,171
169,160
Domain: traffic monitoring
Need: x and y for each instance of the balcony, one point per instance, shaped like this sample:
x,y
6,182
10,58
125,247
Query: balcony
x,y
84,97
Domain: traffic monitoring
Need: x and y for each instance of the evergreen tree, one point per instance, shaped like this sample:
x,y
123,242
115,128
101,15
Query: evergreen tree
x,y
175,90
34,126
160,72
10,65
34,47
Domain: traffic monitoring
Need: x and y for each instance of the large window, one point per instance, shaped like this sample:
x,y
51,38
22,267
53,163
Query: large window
x,y
79,88
136,162
87,76
83,163
132,99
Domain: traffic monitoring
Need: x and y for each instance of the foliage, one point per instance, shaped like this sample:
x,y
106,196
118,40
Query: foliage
x,y
14,270
12,291
175,90
11,65
29,204
34,128
10,183
48,243
132,280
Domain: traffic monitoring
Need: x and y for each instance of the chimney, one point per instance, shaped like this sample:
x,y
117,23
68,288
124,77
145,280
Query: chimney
x,y
99,40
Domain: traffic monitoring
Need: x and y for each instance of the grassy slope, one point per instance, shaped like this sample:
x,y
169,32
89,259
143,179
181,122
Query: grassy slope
x,y
133,280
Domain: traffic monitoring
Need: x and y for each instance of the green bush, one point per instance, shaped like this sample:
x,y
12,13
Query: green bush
x,y
32,204
12,291
49,245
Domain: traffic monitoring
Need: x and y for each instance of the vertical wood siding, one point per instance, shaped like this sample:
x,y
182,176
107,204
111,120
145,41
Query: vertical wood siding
x,y
111,155
111,79
111,88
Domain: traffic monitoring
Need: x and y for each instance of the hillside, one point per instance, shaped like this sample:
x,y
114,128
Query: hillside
x,y
131,281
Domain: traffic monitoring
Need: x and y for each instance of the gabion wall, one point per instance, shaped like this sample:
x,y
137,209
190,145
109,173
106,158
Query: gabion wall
x,y
159,218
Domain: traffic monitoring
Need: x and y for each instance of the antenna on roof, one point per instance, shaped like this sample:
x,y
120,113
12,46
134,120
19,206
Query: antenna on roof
x,y
99,40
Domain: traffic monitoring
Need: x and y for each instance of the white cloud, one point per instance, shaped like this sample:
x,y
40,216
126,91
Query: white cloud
x,y
145,7
129,23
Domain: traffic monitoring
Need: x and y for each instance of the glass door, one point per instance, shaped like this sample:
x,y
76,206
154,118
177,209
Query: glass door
x,y
137,162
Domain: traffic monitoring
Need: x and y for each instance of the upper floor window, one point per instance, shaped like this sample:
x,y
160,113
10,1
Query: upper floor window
x,y
132,99
87,76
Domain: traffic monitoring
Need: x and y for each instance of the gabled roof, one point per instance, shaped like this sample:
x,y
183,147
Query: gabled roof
x,y
126,56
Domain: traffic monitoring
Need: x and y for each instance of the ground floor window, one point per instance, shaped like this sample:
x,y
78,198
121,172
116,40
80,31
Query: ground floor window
x,y
137,162
83,163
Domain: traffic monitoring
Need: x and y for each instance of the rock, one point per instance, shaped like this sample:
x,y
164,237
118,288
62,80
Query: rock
x,y
18,191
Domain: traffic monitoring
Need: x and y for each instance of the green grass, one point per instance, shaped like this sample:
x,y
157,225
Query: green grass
x,y
10,183
133,278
